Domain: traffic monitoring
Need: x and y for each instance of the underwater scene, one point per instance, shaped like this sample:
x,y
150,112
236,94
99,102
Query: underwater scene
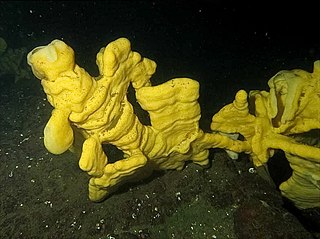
x,y
159,120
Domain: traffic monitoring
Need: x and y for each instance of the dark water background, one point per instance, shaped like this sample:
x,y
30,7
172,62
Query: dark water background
x,y
225,45
219,43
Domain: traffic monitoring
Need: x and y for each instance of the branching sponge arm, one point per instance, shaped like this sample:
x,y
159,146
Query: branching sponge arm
x,y
58,134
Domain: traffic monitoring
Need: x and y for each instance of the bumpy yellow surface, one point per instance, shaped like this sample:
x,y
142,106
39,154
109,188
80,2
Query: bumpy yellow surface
x,y
282,119
98,108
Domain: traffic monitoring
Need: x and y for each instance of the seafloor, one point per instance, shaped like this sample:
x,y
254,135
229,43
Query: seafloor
x,y
45,195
